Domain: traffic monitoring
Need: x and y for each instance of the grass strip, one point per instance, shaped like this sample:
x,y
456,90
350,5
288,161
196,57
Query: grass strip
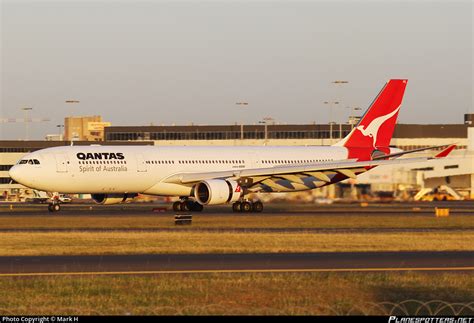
x,y
101,243
258,294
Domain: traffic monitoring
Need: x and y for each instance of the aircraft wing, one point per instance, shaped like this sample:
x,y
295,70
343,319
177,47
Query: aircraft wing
x,y
293,173
443,153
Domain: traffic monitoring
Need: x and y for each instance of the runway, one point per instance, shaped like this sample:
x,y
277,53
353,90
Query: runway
x,y
238,230
214,263
270,209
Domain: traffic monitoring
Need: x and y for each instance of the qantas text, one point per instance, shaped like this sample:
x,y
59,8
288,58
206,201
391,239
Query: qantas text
x,y
99,156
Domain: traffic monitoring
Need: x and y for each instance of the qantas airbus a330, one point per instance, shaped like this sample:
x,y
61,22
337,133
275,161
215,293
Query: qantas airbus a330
x,y
217,175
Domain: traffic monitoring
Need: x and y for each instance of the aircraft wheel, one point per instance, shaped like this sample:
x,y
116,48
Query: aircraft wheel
x,y
197,207
245,207
189,205
183,206
257,207
54,208
236,207
177,206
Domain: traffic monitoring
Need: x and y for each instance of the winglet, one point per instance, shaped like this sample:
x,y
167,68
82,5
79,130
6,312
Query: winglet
x,y
445,152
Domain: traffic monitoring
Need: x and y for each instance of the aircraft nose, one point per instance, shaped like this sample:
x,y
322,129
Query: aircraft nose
x,y
15,173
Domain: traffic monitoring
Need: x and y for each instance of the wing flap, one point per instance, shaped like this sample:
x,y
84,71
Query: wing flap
x,y
347,172
319,175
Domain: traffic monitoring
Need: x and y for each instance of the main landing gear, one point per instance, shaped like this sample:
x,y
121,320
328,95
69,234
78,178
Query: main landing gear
x,y
247,206
187,205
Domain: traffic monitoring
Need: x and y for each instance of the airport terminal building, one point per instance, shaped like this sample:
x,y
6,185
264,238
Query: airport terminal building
x,y
456,172
406,136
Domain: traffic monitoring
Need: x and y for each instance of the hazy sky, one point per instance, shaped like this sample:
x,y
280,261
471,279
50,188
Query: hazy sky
x,y
164,62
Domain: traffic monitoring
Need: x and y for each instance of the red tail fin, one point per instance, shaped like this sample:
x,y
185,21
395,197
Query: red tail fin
x,y
375,129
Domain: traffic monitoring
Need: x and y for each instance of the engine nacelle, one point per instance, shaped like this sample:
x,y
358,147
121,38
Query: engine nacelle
x,y
217,191
110,198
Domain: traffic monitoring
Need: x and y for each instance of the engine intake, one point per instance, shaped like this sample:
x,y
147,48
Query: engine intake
x,y
110,198
217,191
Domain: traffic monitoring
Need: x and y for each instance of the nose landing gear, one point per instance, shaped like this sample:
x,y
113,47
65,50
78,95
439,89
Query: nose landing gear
x,y
54,205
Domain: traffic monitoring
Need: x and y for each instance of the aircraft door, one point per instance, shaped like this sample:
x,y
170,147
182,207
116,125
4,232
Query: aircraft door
x,y
141,165
254,159
61,163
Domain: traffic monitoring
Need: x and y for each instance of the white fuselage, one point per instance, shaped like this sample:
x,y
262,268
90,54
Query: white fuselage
x,y
143,169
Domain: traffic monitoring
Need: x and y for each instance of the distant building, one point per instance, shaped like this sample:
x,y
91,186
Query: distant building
x,y
54,137
85,128
406,136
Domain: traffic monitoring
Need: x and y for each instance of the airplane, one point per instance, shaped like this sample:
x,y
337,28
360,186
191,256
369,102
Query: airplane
x,y
210,175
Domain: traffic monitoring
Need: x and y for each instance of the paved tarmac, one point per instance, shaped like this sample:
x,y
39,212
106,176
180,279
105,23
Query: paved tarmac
x,y
267,262
238,230
336,209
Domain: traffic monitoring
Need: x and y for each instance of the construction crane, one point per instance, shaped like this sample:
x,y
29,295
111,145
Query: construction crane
x,y
26,120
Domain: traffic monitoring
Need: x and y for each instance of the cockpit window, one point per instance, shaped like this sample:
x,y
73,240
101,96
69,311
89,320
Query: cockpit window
x,y
29,161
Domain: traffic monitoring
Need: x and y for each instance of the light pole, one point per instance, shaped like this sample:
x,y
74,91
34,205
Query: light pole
x,y
60,132
27,121
242,104
265,122
338,83
69,133
353,116
331,122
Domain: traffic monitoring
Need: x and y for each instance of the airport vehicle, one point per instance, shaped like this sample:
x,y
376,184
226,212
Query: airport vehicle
x,y
44,197
440,193
38,197
217,175
64,198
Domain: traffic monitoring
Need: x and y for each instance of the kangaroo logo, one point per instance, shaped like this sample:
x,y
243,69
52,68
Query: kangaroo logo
x,y
373,128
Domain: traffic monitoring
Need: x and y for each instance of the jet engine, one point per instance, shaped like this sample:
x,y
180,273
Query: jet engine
x,y
110,198
217,191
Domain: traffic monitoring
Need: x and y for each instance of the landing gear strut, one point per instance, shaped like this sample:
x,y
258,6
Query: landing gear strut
x,y
54,205
247,206
187,205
